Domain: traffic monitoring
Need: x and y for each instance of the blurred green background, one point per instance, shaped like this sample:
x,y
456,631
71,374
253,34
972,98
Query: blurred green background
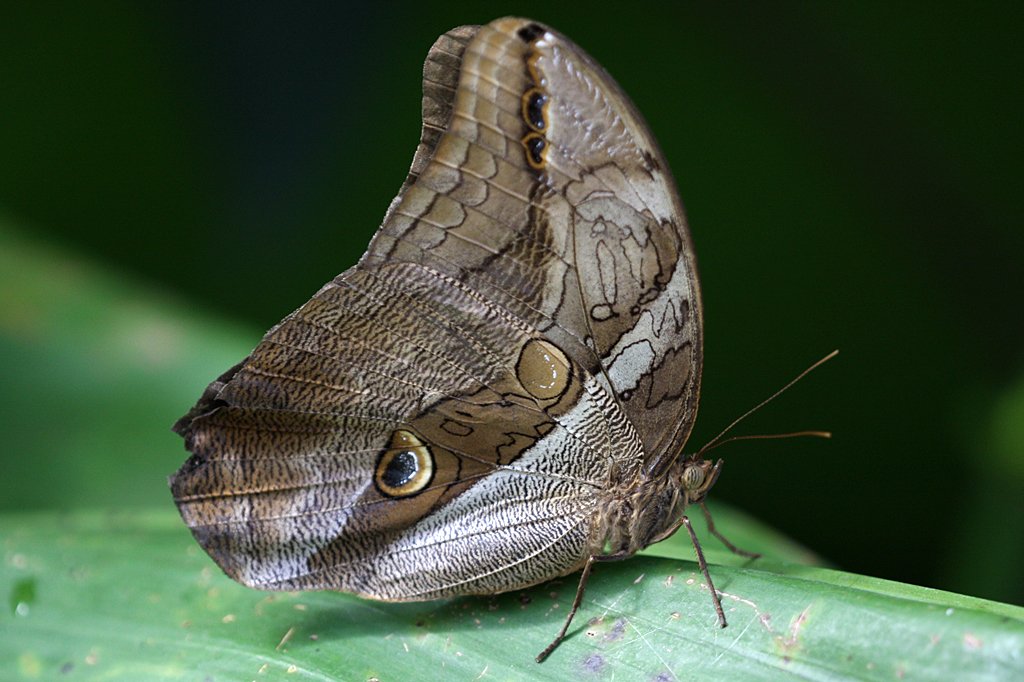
x,y
176,177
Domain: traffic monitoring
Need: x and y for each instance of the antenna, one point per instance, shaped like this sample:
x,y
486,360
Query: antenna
x,y
764,436
714,442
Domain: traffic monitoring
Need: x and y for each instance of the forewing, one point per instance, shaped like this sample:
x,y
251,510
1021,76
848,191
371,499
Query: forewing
x,y
547,194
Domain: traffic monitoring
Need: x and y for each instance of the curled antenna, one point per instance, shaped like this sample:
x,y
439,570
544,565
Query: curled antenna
x,y
714,442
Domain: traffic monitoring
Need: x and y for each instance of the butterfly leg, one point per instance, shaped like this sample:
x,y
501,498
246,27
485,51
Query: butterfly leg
x,y
721,538
579,598
715,599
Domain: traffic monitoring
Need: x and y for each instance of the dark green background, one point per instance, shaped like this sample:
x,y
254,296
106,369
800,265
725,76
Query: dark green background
x,y
851,174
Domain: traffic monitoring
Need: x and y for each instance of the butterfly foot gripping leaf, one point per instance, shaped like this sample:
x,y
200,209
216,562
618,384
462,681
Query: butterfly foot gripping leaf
x,y
499,392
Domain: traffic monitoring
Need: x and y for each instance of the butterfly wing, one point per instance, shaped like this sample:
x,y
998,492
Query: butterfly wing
x,y
441,418
587,241
288,485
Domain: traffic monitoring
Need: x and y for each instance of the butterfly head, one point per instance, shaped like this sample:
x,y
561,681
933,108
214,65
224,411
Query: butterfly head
x,y
697,477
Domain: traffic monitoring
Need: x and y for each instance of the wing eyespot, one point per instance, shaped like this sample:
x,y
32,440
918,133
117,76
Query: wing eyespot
x,y
406,467
535,108
543,370
531,32
536,150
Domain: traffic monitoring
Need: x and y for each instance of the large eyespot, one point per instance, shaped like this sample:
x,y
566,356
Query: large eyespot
x,y
406,467
543,369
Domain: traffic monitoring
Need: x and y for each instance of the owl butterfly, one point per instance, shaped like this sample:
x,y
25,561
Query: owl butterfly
x,y
499,392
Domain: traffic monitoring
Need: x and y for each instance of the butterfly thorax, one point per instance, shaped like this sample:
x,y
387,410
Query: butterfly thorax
x,y
646,509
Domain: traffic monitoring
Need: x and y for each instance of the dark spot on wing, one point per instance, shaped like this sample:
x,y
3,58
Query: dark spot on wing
x,y
530,32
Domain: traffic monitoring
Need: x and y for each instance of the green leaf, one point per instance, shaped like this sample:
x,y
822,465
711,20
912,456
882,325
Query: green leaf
x,y
130,596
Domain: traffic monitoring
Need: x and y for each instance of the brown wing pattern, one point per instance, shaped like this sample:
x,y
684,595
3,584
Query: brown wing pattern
x,y
438,419
592,249
281,487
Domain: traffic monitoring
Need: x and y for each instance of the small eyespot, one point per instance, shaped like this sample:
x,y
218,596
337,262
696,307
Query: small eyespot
x,y
535,102
530,32
536,150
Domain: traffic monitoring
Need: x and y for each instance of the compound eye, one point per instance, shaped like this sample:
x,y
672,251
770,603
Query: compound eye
x,y
693,477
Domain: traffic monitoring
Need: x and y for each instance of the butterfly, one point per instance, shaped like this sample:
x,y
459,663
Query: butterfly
x,y
500,391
